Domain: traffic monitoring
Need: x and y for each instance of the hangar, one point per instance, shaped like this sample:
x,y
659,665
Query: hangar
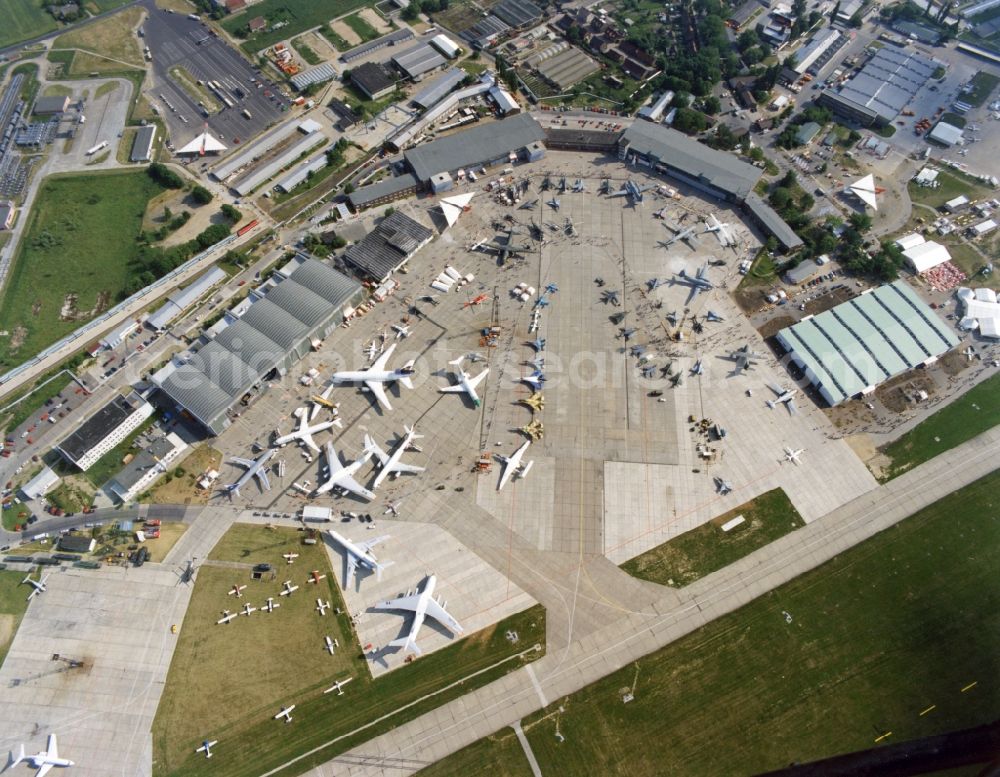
x,y
852,348
388,247
304,301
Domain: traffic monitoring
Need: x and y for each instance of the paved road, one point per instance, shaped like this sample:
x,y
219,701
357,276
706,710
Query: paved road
x,y
600,619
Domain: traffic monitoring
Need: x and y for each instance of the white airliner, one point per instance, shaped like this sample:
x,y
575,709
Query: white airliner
x,y
391,464
206,747
39,585
256,468
341,476
338,686
360,553
43,760
466,384
512,464
286,713
376,376
421,604
785,396
793,456
304,434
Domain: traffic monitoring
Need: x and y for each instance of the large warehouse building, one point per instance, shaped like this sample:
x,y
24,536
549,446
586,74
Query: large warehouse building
x,y
850,349
304,301
388,247
105,429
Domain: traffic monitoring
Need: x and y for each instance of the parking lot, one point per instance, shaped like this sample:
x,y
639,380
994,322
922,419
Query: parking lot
x,y
175,40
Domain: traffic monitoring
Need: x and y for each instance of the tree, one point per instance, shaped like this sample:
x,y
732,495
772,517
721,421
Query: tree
x,y
689,121
862,222
212,235
231,213
412,11
711,105
780,198
164,176
201,195
348,188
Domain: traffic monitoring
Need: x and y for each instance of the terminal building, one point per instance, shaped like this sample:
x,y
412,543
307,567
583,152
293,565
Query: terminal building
x,y
849,350
299,306
104,430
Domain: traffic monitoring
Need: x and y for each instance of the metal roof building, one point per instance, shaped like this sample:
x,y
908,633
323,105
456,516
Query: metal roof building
x,y
484,32
105,429
397,36
418,60
314,75
566,68
883,87
765,217
385,190
39,484
486,144
439,88
300,173
517,13
388,247
254,151
446,45
717,172
372,79
142,145
182,298
853,347
256,176
305,301
504,100
817,51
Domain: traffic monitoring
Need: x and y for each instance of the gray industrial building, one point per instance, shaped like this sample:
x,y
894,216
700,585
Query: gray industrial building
x,y
142,145
304,301
768,220
482,146
668,151
104,430
394,37
439,88
372,79
301,173
178,301
517,13
883,87
47,106
386,190
257,175
314,75
852,348
418,60
388,246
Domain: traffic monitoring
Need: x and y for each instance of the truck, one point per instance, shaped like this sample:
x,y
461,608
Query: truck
x,y
779,102
93,150
247,114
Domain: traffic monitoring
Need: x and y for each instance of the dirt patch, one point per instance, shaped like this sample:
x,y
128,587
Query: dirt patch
x,y
900,393
183,488
775,325
36,307
319,44
68,311
346,33
103,303
829,300
954,362
376,21
17,339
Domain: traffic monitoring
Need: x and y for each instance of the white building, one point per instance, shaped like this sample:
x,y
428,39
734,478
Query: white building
x,y
926,255
39,484
104,430
983,227
146,468
946,133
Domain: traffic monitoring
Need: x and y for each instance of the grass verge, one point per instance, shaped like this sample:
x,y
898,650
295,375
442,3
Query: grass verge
x,y
183,78
707,548
894,627
499,755
209,678
983,84
952,183
112,37
972,413
13,603
73,260
306,52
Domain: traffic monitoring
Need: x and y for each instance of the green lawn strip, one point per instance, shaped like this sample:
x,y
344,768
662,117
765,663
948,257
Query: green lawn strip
x,y
23,410
361,27
200,94
498,755
972,413
983,84
951,184
13,603
762,272
306,52
210,691
904,621
707,548
80,239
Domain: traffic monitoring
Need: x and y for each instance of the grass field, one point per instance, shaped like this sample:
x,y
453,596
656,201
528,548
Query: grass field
x,y
973,413
233,678
72,262
184,489
983,84
113,37
13,603
23,21
707,548
952,183
306,52
297,15
881,633
361,27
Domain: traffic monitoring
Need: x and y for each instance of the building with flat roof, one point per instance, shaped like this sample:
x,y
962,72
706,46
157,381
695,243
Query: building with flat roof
x,y
925,256
945,133
850,349
41,483
802,272
47,106
146,468
300,173
303,302
668,151
386,190
180,300
882,88
372,79
142,145
768,220
77,543
815,54
388,246
484,145
655,110
7,211
438,89
105,429
391,39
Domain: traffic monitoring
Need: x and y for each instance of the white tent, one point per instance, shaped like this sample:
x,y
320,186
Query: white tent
x,y
926,255
205,143
452,207
909,241
864,190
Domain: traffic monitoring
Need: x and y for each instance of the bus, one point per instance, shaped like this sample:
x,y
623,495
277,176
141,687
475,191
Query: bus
x,y
247,114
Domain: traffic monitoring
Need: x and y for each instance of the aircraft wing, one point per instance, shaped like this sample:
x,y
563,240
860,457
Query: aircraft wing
x,y
401,467
261,475
352,567
367,546
619,193
776,388
792,407
350,484
401,603
442,616
242,462
43,770
456,389
381,361
378,389
371,445
52,748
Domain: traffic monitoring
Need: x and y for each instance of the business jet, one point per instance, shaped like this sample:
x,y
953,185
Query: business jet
x,y
512,465
466,384
43,760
